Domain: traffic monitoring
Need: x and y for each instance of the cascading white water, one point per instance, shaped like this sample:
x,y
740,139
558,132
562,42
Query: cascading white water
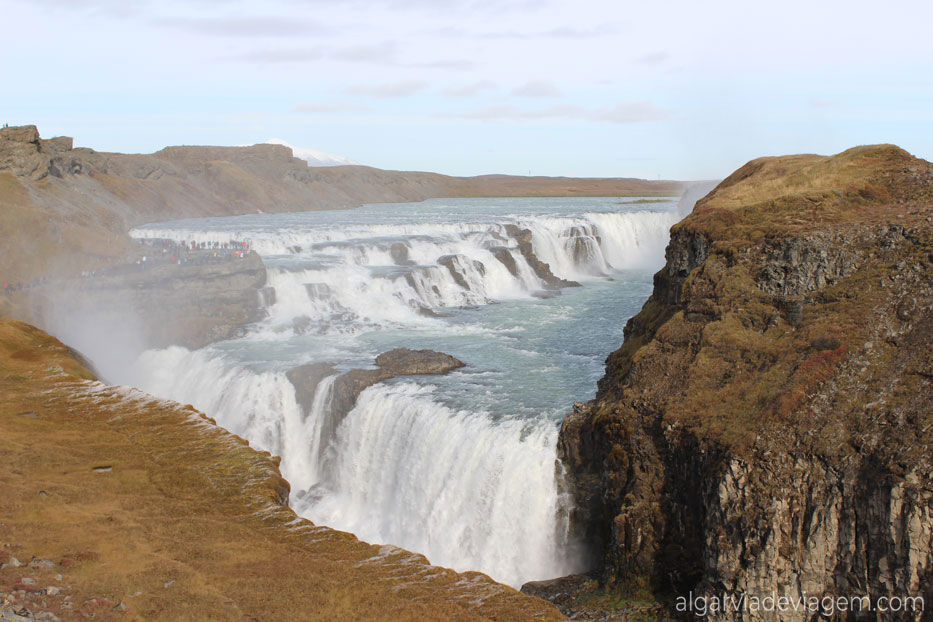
x,y
354,279
456,483
460,468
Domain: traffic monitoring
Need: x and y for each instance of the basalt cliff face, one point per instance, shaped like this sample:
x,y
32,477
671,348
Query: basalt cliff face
x,y
767,425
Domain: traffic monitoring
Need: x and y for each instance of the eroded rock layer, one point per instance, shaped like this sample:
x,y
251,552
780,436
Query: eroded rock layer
x,y
766,426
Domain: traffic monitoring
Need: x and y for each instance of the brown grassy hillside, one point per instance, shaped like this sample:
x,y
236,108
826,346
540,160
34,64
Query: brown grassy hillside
x,y
122,506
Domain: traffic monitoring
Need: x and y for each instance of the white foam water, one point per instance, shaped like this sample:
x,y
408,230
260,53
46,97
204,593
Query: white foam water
x,y
461,468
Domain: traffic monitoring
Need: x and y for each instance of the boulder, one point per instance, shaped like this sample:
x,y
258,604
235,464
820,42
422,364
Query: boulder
x,y
20,152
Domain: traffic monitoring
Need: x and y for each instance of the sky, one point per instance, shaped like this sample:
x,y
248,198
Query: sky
x,y
663,89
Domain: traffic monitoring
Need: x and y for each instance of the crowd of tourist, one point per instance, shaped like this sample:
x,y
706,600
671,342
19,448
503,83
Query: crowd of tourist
x,y
163,252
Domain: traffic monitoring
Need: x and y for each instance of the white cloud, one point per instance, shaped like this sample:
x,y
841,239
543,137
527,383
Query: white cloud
x,y
379,53
631,112
323,108
296,55
254,26
469,90
537,88
393,89
625,112
506,112
448,65
654,58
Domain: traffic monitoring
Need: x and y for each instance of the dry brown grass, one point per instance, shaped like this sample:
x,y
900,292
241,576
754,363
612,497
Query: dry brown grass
x,y
738,370
787,193
187,502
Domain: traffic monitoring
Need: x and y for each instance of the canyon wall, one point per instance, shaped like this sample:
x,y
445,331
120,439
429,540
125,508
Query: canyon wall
x,y
766,426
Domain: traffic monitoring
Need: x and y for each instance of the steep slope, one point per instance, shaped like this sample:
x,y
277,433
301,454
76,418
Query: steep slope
x,y
116,505
766,425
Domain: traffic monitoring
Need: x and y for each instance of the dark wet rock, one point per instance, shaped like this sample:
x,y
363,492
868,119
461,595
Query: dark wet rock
x,y
347,386
452,263
301,324
398,362
399,254
267,296
504,255
392,364
318,291
580,597
583,243
523,237
544,294
306,378
424,311
405,362
562,591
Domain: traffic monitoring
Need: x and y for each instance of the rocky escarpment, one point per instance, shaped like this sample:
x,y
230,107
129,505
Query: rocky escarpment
x,y
766,427
153,304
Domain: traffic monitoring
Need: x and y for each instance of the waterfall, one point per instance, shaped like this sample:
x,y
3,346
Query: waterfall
x,y
354,279
470,491
418,464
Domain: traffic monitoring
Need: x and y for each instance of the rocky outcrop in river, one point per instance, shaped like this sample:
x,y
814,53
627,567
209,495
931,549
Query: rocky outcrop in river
x,y
349,385
766,426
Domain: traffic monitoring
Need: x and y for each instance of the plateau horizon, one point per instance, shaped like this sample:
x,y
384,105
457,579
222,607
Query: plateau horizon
x,y
586,89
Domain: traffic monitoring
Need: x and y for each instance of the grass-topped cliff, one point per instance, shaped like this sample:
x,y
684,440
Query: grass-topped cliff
x,y
766,423
119,506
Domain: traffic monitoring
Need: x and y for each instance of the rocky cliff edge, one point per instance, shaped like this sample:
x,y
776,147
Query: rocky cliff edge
x,y
766,425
